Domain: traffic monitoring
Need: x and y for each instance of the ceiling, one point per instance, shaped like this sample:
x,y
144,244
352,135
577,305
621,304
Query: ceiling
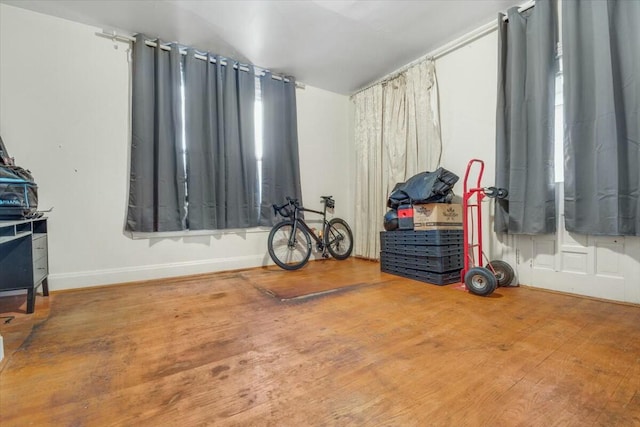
x,y
339,45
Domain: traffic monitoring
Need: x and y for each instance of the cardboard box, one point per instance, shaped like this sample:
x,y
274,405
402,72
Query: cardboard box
x,y
437,216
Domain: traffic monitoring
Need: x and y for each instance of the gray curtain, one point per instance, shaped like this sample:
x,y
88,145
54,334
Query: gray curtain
x,y
222,176
157,177
280,165
525,120
601,59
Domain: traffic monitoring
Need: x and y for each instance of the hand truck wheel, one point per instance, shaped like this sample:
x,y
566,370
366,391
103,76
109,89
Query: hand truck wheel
x,y
503,272
480,281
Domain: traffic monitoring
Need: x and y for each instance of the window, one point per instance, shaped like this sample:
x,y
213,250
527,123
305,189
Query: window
x,y
559,131
206,141
258,137
258,132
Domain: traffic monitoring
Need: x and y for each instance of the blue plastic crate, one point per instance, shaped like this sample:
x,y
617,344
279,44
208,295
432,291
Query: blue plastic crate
x,y
431,264
422,237
421,250
439,279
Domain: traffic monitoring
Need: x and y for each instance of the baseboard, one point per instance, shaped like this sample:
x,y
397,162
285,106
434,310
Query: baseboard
x,y
576,295
85,279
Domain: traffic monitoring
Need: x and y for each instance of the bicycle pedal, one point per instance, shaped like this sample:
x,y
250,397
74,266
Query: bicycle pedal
x,y
325,255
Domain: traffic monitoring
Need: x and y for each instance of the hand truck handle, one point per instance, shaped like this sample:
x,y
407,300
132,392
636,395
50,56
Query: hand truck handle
x,y
466,174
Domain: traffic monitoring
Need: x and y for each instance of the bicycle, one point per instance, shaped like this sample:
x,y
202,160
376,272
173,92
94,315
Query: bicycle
x,y
289,241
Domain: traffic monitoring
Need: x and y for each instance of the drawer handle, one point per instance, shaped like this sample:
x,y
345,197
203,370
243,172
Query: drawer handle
x,y
41,268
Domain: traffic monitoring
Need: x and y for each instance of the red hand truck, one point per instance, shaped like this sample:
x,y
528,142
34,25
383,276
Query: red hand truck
x,y
480,280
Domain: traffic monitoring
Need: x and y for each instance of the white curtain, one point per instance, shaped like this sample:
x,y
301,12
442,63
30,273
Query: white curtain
x,y
424,111
370,201
397,135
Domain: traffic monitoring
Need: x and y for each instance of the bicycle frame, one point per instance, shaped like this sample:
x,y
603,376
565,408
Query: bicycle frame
x,y
322,242
299,221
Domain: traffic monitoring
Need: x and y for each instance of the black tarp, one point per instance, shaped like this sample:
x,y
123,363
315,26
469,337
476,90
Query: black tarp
x,y
425,187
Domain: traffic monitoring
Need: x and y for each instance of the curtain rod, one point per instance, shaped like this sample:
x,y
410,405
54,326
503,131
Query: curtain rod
x,y
522,8
447,48
128,39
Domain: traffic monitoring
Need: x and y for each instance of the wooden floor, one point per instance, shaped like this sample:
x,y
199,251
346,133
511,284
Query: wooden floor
x,y
215,350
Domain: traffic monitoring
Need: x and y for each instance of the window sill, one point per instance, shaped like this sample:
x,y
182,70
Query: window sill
x,y
194,233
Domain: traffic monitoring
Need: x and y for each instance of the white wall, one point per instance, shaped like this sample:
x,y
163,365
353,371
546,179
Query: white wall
x,y
326,147
467,82
64,114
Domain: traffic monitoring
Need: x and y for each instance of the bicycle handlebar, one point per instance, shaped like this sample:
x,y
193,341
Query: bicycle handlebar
x,y
282,210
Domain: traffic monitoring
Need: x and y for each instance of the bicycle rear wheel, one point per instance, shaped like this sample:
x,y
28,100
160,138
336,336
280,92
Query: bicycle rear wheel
x,y
289,252
339,239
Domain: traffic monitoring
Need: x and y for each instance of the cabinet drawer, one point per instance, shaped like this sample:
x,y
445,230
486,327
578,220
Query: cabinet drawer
x,y
39,246
40,269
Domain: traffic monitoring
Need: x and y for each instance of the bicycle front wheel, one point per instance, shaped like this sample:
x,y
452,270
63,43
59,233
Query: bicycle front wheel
x,y
289,251
339,239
